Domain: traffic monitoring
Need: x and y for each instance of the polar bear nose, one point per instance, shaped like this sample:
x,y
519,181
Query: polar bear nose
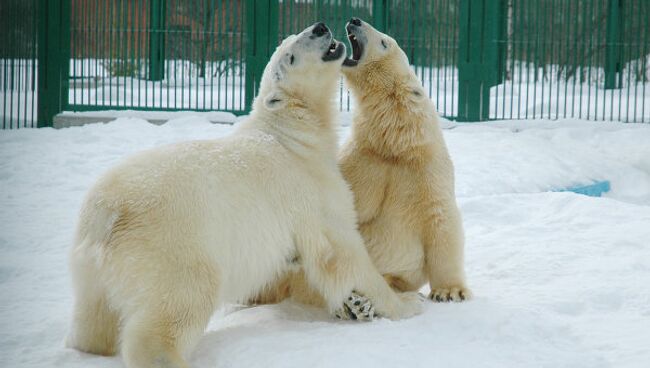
x,y
320,29
356,22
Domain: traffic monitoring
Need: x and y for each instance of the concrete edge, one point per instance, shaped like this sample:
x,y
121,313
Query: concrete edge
x,y
71,120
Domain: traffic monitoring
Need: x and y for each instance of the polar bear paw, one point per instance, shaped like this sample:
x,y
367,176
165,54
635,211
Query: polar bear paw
x,y
356,307
451,294
408,304
412,304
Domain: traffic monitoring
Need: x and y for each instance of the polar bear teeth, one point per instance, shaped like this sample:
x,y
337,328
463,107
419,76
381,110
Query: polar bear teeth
x,y
353,37
332,48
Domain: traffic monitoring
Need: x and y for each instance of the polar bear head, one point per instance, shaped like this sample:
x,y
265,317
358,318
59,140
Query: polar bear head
x,y
377,63
303,70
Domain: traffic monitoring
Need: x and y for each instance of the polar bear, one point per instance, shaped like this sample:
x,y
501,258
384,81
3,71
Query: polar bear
x,y
399,169
172,233
402,177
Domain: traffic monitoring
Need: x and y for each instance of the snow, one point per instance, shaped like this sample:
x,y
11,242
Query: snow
x,y
560,279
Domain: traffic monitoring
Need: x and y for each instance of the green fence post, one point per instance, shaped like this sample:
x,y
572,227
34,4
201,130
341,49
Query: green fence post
x,y
53,59
613,47
479,56
156,40
380,15
262,38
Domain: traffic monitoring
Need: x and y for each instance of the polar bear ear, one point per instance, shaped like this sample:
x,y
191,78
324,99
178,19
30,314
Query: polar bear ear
x,y
275,100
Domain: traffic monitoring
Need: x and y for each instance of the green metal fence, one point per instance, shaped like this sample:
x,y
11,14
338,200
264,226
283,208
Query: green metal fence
x,y
477,59
588,59
18,75
157,54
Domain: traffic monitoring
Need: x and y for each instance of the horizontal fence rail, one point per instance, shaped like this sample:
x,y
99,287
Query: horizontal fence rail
x,y
477,59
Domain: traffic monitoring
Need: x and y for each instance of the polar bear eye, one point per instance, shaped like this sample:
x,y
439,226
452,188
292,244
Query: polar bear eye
x,y
291,59
383,43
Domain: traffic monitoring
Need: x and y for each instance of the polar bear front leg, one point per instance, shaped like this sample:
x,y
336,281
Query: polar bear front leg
x,y
336,263
444,255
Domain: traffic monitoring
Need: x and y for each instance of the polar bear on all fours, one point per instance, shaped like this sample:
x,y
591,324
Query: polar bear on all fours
x,y
173,233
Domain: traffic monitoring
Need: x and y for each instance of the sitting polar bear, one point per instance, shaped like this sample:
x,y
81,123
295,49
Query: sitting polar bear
x,y
398,167
173,233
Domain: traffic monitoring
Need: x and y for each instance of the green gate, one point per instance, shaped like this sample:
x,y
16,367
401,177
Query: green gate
x,y
477,59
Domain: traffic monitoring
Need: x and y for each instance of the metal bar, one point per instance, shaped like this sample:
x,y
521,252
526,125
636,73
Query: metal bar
x,y
131,49
12,73
551,60
640,61
590,50
155,51
211,53
4,47
528,57
612,46
136,108
536,60
628,44
597,52
646,42
583,44
542,55
34,81
522,60
240,30
379,14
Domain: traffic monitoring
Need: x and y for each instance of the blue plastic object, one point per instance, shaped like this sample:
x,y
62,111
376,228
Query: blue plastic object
x,y
595,189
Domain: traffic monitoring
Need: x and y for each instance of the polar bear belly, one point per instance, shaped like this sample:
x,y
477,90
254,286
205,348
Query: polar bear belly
x,y
397,252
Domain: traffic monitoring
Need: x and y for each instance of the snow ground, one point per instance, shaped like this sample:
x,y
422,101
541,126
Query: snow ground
x,y
560,279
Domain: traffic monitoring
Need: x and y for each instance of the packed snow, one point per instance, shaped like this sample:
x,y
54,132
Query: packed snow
x,y
560,279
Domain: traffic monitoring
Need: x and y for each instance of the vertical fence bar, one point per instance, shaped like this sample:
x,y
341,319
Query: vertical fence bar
x,y
380,14
470,89
53,57
481,26
612,58
156,29
261,27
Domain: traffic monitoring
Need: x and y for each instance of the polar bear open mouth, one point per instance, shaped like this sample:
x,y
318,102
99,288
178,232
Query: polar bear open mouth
x,y
357,50
334,51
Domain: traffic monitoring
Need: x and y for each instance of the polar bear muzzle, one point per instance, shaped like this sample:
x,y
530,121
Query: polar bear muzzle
x,y
357,39
334,52
335,49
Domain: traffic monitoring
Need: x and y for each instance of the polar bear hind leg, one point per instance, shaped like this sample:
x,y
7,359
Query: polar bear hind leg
x,y
170,316
95,325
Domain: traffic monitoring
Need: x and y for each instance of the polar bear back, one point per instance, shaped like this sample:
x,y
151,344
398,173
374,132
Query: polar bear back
x,y
228,197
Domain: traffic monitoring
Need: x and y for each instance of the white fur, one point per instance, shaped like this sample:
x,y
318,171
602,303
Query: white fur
x,y
399,169
172,233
